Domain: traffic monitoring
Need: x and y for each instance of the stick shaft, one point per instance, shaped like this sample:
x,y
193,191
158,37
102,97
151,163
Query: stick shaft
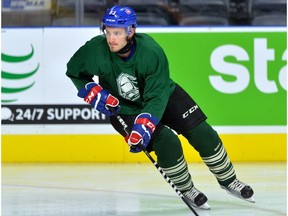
x,y
126,129
168,179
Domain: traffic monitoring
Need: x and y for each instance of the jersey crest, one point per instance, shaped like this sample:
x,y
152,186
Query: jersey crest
x,y
128,87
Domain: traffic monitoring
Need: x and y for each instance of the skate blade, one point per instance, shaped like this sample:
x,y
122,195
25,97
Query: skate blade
x,y
251,199
205,206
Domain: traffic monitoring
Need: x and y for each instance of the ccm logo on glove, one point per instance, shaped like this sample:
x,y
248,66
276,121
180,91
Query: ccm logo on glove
x,y
99,98
142,130
92,94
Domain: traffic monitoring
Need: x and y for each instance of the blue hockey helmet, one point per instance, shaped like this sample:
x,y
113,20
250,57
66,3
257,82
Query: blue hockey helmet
x,y
119,17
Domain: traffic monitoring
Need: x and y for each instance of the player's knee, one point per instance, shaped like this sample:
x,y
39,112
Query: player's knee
x,y
167,147
203,138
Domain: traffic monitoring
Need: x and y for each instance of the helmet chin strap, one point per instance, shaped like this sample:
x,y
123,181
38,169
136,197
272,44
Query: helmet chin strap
x,y
127,47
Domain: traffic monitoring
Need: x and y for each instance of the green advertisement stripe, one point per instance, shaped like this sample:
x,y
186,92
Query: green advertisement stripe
x,y
8,101
7,75
9,58
251,63
15,90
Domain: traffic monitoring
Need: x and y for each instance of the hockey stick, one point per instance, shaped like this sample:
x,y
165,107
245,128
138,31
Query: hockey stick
x,y
127,131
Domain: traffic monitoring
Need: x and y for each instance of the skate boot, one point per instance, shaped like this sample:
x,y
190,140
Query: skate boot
x,y
196,198
240,190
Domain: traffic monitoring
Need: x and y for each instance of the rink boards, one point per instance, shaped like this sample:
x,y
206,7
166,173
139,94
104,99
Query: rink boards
x,y
112,148
237,75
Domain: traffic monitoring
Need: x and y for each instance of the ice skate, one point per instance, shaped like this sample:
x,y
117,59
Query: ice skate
x,y
240,190
197,199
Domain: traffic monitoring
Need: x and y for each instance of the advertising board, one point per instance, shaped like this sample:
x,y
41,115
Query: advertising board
x,y
237,76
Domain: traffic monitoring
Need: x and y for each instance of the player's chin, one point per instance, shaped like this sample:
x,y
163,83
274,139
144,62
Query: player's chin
x,y
114,49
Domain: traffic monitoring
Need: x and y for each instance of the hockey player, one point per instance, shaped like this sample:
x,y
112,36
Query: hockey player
x,y
134,79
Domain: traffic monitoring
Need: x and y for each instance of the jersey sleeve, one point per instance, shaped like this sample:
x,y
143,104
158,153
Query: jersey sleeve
x,y
158,85
77,69
87,61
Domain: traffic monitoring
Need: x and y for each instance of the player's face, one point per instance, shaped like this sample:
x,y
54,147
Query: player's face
x,y
116,38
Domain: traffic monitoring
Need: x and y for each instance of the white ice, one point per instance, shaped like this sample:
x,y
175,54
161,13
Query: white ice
x,y
133,190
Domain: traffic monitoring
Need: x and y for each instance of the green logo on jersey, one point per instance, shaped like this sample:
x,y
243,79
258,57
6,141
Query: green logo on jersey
x,y
127,87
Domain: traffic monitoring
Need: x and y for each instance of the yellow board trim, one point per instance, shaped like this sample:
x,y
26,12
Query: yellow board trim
x,y
112,148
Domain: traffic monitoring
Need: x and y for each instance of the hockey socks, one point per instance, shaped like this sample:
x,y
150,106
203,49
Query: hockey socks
x,y
170,158
179,175
207,142
220,165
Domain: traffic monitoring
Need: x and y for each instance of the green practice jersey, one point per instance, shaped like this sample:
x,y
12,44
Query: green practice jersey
x,y
142,84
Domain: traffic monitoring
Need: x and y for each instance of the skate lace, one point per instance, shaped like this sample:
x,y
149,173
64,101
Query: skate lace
x,y
192,193
236,185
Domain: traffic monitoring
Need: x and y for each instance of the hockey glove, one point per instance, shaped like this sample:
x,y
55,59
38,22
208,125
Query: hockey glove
x,y
99,98
142,130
